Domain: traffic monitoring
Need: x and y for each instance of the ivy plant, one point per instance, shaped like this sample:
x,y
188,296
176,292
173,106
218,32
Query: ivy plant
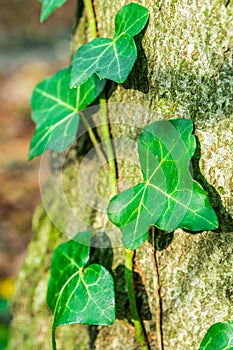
x,y
48,6
55,110
111,58
218,337
167,197
77,292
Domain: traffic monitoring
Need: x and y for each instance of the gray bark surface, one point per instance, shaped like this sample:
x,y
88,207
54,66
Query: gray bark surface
x,y
184,70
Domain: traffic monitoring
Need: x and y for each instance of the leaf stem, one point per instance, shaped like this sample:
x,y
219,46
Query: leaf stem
x,y
159,331
54,339
94,141
91,17
108,145
91,20
129,255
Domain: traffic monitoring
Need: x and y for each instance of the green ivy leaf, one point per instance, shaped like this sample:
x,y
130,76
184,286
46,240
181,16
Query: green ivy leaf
x,y
218,337
76,293
55,110
168,197
111,58
48,6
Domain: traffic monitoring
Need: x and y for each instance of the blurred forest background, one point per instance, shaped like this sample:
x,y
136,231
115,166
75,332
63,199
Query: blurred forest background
x,y
29,52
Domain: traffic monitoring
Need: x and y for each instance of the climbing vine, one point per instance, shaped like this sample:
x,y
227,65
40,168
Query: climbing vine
x,y
166,198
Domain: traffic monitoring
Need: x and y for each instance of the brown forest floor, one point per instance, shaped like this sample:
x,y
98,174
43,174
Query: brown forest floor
x,y
29,51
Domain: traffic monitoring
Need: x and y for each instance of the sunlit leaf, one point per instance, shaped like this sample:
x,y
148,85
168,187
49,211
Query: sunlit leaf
x,y
111,58
48,6
168,197
218,337
78,293
55,110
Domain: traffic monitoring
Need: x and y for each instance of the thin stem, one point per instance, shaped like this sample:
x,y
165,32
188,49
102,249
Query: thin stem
x,y
129,255
94,141
108,145
91,20
159,331
91,17
54,339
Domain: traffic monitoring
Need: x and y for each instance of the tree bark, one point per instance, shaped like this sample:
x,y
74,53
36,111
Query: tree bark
x,y
184,70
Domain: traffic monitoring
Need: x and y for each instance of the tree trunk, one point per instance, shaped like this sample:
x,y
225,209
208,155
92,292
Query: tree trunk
x,y
184,70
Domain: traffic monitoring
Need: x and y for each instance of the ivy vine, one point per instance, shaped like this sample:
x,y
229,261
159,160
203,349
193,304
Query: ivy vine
x,y
166,198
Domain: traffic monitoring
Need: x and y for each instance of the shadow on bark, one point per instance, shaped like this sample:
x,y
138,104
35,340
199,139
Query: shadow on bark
x,y
138,78
224,218
78,15
162,239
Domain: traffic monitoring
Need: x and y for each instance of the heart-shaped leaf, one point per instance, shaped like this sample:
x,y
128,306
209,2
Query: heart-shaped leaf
x,y
218,337
48,6
111,58
55,110
76,293
168,197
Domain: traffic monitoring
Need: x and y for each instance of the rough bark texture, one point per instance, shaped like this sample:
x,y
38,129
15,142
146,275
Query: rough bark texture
x,y
184,70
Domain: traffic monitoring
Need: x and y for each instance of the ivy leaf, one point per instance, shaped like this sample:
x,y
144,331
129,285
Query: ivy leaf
x,y
111,58
168,197
218,337
76,293
55,110
48,6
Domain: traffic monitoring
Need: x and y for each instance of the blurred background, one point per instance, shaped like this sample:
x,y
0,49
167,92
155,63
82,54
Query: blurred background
x,y
29,52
